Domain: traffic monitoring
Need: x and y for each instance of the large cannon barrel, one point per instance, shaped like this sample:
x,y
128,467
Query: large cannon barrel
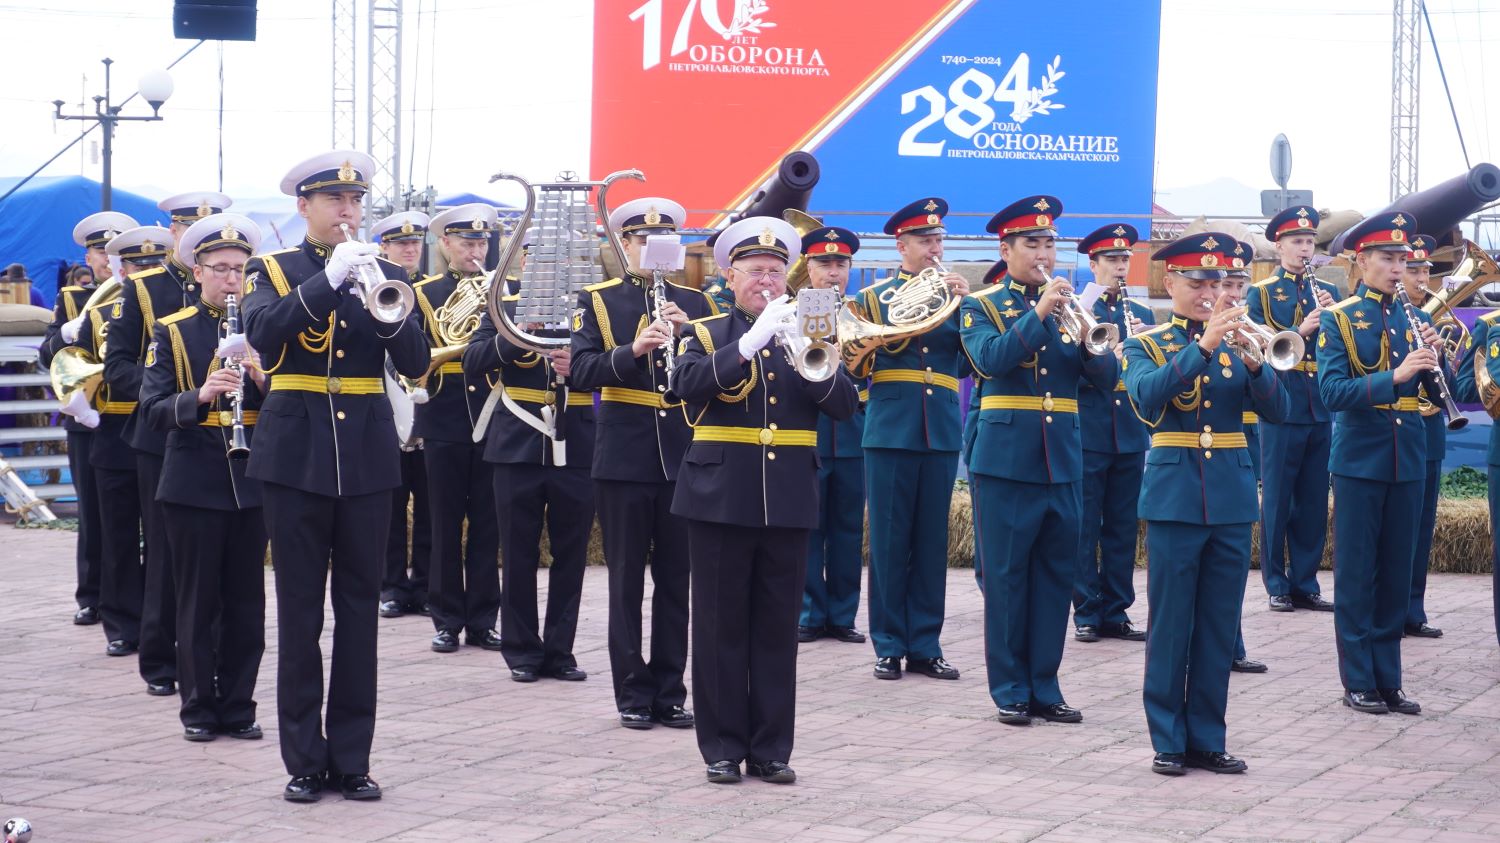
x,y
791,186
1440,208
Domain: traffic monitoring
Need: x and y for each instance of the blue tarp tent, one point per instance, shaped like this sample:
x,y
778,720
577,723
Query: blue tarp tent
x,y
36,224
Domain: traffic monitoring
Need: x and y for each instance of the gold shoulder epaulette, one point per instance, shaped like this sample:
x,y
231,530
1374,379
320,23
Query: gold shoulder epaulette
x,y
71,289
428,280
988,291
602,285
178,316
1489,318
1155,329
1345,303
707,319
1266,281
147,273
511,297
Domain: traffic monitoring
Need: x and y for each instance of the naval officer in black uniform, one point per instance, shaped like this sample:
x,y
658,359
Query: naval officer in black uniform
x,y
326,455
617,349
211,509
748,490
464,589
158,286
539,444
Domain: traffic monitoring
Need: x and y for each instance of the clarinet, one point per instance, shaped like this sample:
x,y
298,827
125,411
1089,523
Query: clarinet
x,y
659,291
239,448
1433,379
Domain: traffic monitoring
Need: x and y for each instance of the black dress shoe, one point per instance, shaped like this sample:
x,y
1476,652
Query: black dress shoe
x,y
1169,764
636,718
161,689
1016,714
1215,762
1123,631
392,609
808,634
937,668
358,787
304,788
1414,630
488,639
888,667
1248,665
446,641
523,674
724,772
1058,712
674,717
419,607
1086,633
1396,702
775,772
87,616
1312,601
199,734
846,634
120,648
1367,701
568,673
249,732
1282,603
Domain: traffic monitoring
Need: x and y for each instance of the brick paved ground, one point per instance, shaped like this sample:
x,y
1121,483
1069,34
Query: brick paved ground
x,y
464,754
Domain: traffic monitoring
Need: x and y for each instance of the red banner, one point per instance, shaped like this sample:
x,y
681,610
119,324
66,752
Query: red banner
x,y
706,96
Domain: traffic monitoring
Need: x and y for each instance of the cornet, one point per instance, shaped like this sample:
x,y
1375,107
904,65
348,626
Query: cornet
x,y
388,300
1079,324
1259,344
803,337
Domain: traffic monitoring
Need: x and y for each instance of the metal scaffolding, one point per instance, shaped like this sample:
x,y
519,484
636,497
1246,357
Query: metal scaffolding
x,y
1406,67
343,53
383,111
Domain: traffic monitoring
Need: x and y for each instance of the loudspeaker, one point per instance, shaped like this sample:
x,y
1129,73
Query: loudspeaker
x,y
215,20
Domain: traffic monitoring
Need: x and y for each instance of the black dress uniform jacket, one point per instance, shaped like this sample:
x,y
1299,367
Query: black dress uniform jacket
x,y
196,470
640,438
764,484
329,441
444,417
529,383
147,296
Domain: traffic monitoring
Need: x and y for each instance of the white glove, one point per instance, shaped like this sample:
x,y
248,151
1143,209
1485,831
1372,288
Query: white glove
x,y
773,318
419,395
71,328
233,345
78,408
346,256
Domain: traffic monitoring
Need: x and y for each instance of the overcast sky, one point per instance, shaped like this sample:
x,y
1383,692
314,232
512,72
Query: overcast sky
x,y
511,84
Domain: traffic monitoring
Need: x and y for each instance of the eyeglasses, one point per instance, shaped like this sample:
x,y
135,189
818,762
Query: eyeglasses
x,y
763,274
224,270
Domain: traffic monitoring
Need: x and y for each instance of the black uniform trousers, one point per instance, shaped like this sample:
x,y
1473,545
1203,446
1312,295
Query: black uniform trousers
x,y
525,494
306,531
218,568
464,584
158,654
397,584
747,593
121,576
636,521
90,531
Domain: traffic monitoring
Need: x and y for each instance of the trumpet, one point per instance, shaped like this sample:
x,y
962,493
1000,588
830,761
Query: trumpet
x,y
388,300
804,337
1079,324
239,446
1281,350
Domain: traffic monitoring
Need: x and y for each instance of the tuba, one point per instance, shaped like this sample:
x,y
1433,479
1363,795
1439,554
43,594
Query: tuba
x,y
921,304
804,223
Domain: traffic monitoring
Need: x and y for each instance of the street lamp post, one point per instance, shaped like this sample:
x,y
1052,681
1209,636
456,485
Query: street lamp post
x,y
155,87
